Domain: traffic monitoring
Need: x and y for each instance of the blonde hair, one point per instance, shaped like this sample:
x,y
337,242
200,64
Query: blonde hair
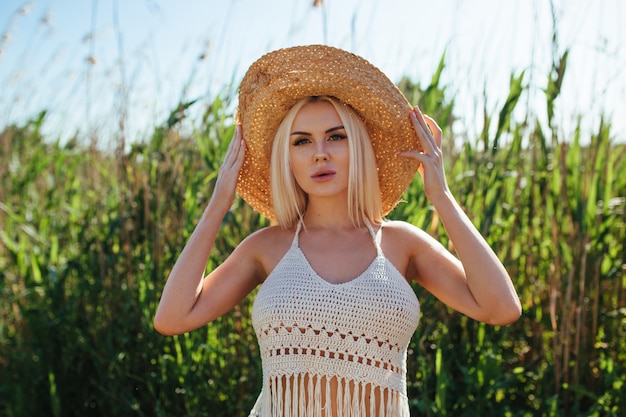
x,y
290,201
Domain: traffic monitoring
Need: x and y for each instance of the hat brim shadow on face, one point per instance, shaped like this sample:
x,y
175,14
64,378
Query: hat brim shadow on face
x,y
279,79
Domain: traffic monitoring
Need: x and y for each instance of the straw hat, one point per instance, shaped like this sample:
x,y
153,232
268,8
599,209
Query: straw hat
x,y
277,80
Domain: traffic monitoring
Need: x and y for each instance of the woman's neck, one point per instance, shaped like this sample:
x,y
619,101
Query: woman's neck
x,y
326,213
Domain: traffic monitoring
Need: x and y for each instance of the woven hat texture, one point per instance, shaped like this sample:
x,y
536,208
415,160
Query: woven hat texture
x,y
279,79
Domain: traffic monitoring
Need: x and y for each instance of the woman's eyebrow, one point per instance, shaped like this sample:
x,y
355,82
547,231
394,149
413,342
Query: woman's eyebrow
x,y
332,129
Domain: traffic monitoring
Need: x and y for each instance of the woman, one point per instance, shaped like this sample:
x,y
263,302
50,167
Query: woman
x,y
325,147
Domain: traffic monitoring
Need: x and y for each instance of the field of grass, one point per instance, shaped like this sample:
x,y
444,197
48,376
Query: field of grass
x,y
87,238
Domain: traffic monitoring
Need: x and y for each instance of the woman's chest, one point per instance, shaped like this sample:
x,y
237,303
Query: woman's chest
x,y
377,302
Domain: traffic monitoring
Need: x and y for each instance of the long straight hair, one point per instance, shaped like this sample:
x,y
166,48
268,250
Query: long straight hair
x,y
290,201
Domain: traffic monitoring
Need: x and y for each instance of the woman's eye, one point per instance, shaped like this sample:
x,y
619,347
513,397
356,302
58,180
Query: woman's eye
x,y
300,141
337,136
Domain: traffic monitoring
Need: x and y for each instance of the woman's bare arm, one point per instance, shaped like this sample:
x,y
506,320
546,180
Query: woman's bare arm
x,y
188,300
477,284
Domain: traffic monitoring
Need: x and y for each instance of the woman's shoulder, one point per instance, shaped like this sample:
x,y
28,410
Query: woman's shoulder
x,y
404,233
267,246
270,234
400,227
268,241
401,243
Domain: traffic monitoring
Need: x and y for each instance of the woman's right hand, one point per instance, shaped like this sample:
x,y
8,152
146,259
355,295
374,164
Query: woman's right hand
x,y
226,184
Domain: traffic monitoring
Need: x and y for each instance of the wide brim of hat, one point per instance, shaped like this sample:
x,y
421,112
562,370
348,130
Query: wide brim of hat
x,y
279,79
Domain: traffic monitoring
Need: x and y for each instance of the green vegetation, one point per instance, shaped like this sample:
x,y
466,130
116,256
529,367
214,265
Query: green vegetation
x,y
88,238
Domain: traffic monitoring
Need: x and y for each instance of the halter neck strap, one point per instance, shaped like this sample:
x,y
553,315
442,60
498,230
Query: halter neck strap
x,y
295,241
376,235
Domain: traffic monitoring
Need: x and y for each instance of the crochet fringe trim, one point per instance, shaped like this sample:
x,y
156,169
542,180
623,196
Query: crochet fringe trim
x,y
301,395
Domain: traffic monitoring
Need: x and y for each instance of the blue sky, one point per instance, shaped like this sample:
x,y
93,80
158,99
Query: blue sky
x,y
92,63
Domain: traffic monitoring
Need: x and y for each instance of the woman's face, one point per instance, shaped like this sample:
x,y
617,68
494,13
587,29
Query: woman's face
x,y
318,150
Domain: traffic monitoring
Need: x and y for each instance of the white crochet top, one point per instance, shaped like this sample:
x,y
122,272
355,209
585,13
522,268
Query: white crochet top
x,y
334,350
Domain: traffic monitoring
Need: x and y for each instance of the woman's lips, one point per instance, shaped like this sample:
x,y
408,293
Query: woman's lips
x,y
322,176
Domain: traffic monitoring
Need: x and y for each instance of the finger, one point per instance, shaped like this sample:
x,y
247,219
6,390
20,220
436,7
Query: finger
x,y
434,135
420,157
423,131
428,125
241,153
233,141
230,148
434,128
233,148
410,154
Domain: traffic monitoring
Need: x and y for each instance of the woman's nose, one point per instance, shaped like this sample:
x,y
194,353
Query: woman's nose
x,y
321,157
320,153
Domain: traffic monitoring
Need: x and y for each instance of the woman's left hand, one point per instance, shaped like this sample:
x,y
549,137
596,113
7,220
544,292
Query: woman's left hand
x,y
431,158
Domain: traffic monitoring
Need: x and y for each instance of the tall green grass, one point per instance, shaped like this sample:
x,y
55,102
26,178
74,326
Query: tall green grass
x,y
554,210
88,238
